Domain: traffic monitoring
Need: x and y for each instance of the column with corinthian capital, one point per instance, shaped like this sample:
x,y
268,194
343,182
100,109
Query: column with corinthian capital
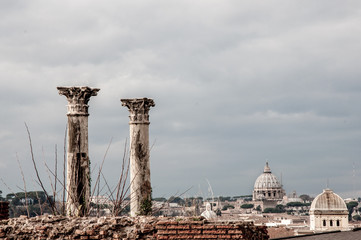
x,y
140,187
78,172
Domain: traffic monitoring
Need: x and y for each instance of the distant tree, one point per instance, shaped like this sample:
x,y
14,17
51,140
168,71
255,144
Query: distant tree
x,y
258,208
178,200
290,212
126,210
357,218
270,210
223,199
277,209
1,198
35,196
189,202
10,196
160,199
306,198
350,208
226,207
280,208
247,206
294,204
243,196
218,212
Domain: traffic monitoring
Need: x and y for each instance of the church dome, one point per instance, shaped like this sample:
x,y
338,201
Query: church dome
x,y
267,180
328,200
267,186
328,212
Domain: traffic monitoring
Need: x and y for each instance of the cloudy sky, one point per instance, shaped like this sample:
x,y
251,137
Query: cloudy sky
x,y
236,84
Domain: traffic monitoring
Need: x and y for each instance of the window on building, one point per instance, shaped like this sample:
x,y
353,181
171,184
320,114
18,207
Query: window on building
x,y
331,223
324,223
338,223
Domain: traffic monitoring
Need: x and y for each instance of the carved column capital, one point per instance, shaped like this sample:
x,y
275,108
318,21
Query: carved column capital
x,y
138,109
78,98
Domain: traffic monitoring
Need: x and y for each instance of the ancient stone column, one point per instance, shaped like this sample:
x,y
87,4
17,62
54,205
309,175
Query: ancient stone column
x,y
78,172
140,189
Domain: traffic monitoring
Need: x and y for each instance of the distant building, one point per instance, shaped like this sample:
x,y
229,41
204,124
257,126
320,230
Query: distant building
x,y
267,187
103,200
328,212
292,198
28,201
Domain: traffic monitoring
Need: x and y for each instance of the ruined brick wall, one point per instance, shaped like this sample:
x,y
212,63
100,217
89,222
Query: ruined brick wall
x,y
114,228
202,230
4,210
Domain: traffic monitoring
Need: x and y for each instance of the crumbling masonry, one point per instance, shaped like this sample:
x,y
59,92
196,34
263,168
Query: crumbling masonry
x,y
78,172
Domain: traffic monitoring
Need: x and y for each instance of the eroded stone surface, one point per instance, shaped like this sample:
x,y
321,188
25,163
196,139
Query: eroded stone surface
x,y
78,172
140,190
60,227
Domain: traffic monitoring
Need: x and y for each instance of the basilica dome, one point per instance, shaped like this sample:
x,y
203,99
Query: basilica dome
x,y
267,186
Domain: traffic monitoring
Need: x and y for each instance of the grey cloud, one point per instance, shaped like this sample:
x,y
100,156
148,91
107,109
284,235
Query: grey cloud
x,y
235,83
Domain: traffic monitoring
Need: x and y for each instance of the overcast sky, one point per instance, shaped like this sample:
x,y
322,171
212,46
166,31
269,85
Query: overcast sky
x,y
236,84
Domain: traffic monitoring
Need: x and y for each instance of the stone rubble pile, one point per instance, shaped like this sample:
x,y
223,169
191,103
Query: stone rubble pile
x,y
60,227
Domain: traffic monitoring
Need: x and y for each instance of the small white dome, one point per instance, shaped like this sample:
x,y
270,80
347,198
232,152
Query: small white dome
x,y
328,200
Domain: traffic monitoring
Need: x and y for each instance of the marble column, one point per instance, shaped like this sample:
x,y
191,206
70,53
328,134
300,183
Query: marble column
x,y
140,189
78,165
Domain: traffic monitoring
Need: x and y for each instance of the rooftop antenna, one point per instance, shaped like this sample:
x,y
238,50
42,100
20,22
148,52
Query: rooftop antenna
x,y
354,179
327,184
210,190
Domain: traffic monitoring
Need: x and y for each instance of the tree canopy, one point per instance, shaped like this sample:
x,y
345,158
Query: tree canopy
x,y
277,209
350,208
160,199
225,207
297,204
246,206
178,200
306,198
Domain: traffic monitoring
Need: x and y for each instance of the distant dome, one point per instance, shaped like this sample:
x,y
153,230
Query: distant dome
x,y
328,200
267,186
267,180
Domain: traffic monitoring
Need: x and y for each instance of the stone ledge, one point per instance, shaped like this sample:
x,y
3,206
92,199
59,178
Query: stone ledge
x,y
60,227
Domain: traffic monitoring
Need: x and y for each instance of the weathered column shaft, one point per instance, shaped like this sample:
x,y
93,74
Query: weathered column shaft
x,y
140,189
78,169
